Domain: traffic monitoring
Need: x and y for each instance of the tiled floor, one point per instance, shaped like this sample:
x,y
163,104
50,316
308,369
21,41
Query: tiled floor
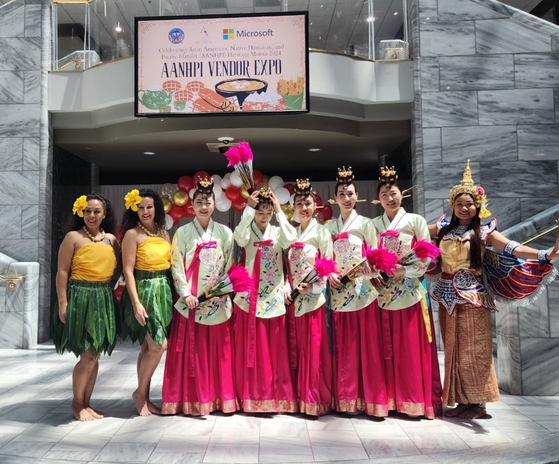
x,y
36,426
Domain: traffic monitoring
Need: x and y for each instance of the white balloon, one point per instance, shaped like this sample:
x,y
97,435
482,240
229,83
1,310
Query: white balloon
x,y
217,179
191,193
218,191
228,175
282,195
223,205
292,199
296,218
225,182
168,222
236,180
275,182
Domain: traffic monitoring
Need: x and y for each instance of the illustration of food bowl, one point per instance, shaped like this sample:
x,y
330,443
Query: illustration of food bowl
x,y
240,88
155,97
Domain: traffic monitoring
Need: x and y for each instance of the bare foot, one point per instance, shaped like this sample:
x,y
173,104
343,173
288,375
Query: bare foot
x,y
81,413
94,413
456,411
153,408
141,404
473,413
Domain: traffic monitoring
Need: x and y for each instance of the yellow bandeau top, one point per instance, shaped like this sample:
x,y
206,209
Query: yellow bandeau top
x,y
94,262
153,254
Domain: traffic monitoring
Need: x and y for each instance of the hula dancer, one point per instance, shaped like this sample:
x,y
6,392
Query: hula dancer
x,y
410,357
312,358
198,375
263,376
147,300
84,320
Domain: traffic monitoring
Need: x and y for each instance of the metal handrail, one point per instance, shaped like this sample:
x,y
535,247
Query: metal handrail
x,y
5,277
543,234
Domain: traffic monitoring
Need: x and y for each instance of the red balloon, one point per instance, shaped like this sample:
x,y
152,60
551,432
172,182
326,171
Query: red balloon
x,y
232,193
190,211
185,183
290,187
239,204
257,176
118,291
327,212
320,217
176,212
318,200
200,175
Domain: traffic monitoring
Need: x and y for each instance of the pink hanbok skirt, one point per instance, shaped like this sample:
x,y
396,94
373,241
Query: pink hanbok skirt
x,y
314,363
210,386
267,386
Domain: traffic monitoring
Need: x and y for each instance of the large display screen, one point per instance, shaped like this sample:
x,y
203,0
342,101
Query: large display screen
x,y
235,64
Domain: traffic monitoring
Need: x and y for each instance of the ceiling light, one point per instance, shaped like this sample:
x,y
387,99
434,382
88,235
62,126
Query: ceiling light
x,y
118,28
370,19
314,149
149,153
395,13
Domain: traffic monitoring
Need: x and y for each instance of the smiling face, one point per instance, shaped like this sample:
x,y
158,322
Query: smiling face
x,y
94,214
204,206
146,211
304,206
346,197
391,199
263,215
464,208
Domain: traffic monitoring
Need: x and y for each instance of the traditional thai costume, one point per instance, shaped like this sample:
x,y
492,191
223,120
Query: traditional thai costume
x,y
92,306
410,350
262,370
309,344
153,284
198,376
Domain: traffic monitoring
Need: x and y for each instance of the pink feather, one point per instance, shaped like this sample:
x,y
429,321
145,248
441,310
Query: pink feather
x,y
382,259
245,153
240,279
325,267
233,156
425,249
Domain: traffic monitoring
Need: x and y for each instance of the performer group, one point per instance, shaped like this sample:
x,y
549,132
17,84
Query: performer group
x,y
310,319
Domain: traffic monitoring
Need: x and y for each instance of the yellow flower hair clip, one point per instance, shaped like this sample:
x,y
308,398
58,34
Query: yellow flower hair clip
x,y
79,205
132,200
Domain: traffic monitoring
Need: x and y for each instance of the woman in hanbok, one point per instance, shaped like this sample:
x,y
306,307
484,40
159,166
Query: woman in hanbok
x,y
198,376
84,319
263,375
412,366
359,377
147,300
466,292
311,357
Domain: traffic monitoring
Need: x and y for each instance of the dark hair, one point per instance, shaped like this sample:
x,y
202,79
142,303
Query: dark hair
x,y
198,192
76,222
130,218
393,184
260,203
304,195
338,186
475,242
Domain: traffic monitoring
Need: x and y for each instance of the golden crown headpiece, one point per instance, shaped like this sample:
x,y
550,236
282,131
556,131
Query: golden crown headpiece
x,y
303,187
264,195
206,186
388,175
467,186
345,176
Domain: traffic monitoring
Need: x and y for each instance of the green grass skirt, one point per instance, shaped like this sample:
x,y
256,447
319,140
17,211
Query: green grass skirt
x,y
156,295
91,319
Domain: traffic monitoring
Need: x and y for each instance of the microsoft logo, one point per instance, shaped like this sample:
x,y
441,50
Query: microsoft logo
x,y
228,34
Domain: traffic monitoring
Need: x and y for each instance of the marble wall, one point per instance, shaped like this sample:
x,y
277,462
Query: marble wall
x,y
25,142
486,85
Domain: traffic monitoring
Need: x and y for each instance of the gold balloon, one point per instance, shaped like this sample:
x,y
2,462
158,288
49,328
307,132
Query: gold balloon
x,y
265,180
180,198
288,211
244,192
166,204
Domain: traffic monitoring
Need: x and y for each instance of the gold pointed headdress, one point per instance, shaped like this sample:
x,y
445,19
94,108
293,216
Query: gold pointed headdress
x,y
388,175
205,185
467,186
303,187
345,176
264,195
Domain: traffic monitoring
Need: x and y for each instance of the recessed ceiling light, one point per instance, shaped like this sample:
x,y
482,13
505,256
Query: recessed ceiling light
x,y
370,19
118,28
314,149
395,13
149,153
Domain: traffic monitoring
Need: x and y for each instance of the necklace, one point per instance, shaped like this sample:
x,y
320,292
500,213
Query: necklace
x,y
307,230
388,225
92,238
200,234
347,224
145,229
